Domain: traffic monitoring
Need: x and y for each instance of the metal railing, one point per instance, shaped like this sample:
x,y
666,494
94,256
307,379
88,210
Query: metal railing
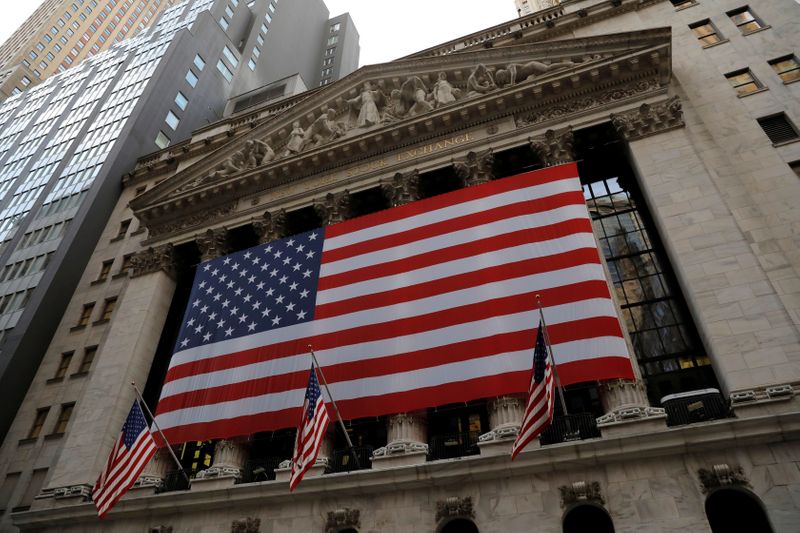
x,y
342,460
697,406
453,445
173,481
580,426
260,469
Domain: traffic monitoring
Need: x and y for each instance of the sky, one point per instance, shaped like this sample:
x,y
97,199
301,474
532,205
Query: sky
x,y
388,30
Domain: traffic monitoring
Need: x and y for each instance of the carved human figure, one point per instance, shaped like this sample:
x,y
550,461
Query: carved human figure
x,y
480,81
367,103
324,129
263,152
295,143
230,166
409,93
394,109
443,92
421,104
517,72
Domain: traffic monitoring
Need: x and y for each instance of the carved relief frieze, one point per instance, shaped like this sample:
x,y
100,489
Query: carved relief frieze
x,y
649,119
580,491
271,226
581,104
335,207
455,507
402,188
476,168
554,147
154,259
190,220
722,475
342,519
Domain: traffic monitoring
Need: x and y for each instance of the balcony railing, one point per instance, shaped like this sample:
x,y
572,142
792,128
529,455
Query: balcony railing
x,y
695,406
580,426
173,481
342,460
453,445
260,469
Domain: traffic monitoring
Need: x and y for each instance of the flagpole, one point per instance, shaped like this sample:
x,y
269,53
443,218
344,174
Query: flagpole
x,y
171,451
335,408
552,359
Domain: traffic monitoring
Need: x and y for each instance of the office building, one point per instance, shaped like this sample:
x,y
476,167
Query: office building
x,y
681,118
66,142
61,33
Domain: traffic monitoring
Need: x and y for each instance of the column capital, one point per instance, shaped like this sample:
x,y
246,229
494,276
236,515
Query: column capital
x,y
475,168
154,259
335,207
625,400
213,243
649,119
229,458
554,147
402,188
271,226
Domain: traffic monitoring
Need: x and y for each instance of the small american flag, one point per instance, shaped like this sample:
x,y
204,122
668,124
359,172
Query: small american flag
x,y
132,450
310,432
539,411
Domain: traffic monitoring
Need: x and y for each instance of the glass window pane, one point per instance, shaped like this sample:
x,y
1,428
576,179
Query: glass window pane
x,y
172,120
199,62
181,100
191,78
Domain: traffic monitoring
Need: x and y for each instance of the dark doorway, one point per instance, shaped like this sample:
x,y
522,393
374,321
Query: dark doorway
x,y
460,525
733,510
587,517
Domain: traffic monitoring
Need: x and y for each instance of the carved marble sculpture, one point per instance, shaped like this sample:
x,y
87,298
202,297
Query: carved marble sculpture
x,y
480,81
443,92
295,143
367,104
230,166
517,73
323,130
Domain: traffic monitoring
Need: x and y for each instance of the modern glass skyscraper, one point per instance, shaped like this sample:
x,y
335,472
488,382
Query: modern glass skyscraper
x,y
61,33
66,143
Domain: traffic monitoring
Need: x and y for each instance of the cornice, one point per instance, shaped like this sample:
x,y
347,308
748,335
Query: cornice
x,y
210,189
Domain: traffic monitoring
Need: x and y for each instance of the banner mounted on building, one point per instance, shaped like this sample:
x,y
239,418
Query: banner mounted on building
x,y
421,305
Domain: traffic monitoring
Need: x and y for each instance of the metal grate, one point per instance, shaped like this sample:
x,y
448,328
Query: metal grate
x,y
778,128
580,426
453,445
695,406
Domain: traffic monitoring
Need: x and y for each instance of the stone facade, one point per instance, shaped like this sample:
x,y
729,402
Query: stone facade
x,y
722,200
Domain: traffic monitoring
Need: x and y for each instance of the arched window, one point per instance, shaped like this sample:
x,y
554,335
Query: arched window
x,y
459,525
733,510
587,517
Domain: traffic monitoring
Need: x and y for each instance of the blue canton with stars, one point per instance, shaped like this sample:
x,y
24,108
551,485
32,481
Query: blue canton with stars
x,y
312,394
262,288
133,426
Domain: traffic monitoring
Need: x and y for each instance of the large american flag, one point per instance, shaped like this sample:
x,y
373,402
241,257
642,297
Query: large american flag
x,y
132,450
310,432
541,401
424,304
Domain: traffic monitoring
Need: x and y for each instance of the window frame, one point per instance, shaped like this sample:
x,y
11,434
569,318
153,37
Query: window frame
x,y
750,80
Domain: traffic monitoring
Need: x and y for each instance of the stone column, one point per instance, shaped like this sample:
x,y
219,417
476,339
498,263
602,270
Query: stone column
x,y
321,464
476,168
505,418
554,147
335,207
125,355
154,474
230,456
213,243
407,434
271,226
401,188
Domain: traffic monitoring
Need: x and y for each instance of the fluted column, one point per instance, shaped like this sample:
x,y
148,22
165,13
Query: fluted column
x,y
230,456
476,168
213,243
402,188
505,418
554,147
154,474
335,207
271,226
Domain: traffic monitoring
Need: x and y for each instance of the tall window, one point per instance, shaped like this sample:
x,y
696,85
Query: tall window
x,y
663,336
38,422
744,82
63,365
63,418
108,309
88,356
86,314
105,268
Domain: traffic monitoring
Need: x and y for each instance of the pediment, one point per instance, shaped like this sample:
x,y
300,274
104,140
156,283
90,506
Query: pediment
x,y
387,106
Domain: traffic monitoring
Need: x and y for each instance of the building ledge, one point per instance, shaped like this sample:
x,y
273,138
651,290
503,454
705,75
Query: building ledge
x,y
78,375
700,437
